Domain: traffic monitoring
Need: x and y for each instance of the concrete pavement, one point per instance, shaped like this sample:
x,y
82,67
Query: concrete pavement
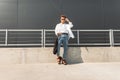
x,y
53,71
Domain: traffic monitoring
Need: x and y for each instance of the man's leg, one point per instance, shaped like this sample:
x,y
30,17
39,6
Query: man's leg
x,y
65,46
59,45
59,57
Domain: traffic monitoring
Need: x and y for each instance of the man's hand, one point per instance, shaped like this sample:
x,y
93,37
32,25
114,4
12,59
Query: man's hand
x,y
67,20
59,34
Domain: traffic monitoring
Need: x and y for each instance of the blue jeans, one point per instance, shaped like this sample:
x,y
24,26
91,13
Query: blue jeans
x,y
63,39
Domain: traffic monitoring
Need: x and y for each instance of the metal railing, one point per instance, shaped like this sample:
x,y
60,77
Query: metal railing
x,y
21,37
83,37
46,37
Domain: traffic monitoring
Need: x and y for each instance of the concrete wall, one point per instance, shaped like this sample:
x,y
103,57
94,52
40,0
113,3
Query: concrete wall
x,y
44,55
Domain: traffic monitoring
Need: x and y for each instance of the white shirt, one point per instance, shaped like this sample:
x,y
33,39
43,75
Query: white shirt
x,y
64,28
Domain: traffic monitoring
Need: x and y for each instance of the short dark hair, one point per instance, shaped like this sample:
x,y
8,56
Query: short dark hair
x,y
63,16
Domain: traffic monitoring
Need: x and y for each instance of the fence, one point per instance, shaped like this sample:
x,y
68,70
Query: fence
x,y
46,37
21,37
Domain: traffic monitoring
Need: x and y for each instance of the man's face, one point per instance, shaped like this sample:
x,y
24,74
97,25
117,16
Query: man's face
x,y
62,19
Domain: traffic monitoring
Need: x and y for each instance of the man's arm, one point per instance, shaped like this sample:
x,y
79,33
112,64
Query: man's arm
x,y
56,29
69,23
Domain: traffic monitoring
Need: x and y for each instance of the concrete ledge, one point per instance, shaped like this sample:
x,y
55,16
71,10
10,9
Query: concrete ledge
x,y
44,55
100,54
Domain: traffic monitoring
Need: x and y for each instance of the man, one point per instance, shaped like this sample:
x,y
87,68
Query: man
x,y
63,32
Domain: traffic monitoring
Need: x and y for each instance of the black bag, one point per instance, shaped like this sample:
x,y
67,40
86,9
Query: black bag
x,y
55,46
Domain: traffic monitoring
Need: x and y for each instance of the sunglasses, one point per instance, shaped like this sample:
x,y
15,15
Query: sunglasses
x,y
62,19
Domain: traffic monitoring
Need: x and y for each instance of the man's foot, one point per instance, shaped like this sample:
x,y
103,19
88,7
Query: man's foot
x,y
59,60
64,62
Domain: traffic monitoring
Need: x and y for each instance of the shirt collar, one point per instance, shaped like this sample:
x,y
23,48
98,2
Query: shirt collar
x,y
61,23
